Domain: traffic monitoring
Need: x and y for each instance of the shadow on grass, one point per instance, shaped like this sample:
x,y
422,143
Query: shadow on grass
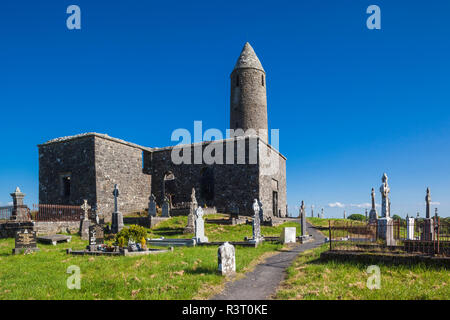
x,y
201,270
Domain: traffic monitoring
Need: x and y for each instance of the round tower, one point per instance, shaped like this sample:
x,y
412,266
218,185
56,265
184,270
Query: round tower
x,y
248,102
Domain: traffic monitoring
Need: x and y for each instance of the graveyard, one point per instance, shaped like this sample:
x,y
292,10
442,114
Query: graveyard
x,y
184,273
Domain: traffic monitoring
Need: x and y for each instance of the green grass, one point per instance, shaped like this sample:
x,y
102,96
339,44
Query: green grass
x,y
185,273
173,228
312,279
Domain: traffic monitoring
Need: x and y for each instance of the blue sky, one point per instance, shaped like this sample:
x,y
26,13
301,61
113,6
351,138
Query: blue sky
x,y
350,103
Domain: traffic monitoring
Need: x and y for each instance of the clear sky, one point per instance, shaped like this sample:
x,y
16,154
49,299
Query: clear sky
x,y
350,103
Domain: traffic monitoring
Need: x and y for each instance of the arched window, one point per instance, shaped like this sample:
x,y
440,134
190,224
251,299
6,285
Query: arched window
x,y
262,80
207,184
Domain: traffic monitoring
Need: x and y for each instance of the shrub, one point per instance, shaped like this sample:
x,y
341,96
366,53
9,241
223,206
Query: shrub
x,y
357,217
134,233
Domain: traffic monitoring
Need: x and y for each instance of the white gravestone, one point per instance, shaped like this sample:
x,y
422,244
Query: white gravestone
x,y
227,259
410,228
288,235
200,226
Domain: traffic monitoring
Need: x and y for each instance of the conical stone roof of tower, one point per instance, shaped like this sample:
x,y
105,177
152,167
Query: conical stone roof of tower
x,y
248,59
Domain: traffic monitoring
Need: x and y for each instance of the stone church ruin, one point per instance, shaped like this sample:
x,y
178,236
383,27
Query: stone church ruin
x,y
89,165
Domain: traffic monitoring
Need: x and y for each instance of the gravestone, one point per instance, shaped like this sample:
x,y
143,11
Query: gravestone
x,y
166,207
227,259
200,226
190,228
152,206
20,210
410,228
256,225
25,241
373,214
96,235
85,222
428,223
303,219
321,214
117,217
288,235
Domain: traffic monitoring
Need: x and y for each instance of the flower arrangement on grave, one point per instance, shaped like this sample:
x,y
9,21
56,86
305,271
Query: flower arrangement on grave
x,y
121,242
134,233
109,246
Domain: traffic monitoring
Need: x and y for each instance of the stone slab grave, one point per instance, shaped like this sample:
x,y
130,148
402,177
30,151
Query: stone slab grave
x,y
163,242
226,256
54,239
288,235
124,252
25,242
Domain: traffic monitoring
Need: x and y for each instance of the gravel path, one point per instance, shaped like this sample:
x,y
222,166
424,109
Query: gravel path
x,y
262,282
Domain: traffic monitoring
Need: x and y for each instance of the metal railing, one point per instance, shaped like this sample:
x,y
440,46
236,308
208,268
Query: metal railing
x,y
428,237
51,212
6,212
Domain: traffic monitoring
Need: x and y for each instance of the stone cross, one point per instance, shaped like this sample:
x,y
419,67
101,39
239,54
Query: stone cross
x,y
410,228
321,214
166,207
191,216
428,202
384,189
200,226
256,226
312,211
373,214
116,195
85,207
226,259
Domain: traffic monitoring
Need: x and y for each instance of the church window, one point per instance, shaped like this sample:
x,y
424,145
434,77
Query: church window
x,y
262,80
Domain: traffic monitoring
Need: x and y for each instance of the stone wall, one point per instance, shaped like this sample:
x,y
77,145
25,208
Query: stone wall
x,y
235,185
72,157
274,180
121,164
54,227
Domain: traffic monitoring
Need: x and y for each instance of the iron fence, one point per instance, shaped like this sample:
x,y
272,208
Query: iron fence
x,y
427,236
51,212
6,212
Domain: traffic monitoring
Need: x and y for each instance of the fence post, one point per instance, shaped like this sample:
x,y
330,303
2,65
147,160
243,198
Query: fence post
x,y
329,231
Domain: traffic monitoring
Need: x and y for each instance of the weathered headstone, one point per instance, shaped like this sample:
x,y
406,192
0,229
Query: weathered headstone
x,y
256,225
385,223
384,189
96,235
200,226
85,222
152,206
25,241
19,211
303,219
117,217
190,228
227,259
410,228
288,235
373,214
166,207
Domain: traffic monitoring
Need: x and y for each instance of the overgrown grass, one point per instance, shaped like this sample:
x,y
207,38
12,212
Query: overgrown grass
x,y
185,273
312,279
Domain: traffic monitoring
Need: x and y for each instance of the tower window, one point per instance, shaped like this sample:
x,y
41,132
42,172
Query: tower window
x,y
262,80
237,81
65,185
